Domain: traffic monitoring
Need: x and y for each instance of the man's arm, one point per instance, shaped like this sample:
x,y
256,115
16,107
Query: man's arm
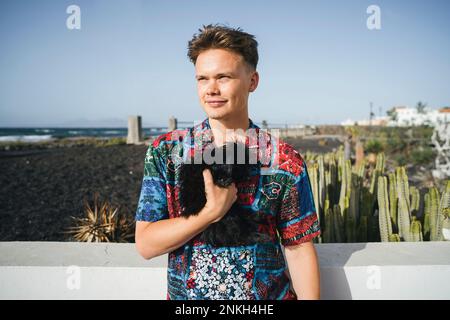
x,y
156,238
304,270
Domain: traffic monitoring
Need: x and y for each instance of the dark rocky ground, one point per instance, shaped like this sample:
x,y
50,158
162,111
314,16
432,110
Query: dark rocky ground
x,y
41,189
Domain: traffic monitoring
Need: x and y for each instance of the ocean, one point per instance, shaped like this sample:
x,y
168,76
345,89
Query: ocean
x,y
45,134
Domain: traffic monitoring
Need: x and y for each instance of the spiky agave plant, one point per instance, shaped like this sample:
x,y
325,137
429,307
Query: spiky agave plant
x,y
101,223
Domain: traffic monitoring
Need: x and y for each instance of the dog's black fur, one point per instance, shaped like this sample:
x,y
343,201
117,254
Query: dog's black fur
x,y
239,226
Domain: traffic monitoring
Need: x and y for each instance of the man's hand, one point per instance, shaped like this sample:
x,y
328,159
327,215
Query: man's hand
x,y
163,236
218,200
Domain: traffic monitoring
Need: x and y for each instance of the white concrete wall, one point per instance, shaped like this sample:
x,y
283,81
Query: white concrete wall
x,y
41,270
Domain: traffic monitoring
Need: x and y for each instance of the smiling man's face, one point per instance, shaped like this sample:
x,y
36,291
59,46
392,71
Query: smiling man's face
x,y
224,82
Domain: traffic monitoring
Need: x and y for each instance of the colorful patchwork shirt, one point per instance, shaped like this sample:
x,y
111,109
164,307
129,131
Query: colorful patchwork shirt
x,y
280,192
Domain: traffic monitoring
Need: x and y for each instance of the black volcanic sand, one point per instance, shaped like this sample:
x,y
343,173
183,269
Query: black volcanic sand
x,y
41,189
316,144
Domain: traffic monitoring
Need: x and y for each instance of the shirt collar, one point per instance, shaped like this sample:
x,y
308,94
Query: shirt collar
x,y
205,124
204,133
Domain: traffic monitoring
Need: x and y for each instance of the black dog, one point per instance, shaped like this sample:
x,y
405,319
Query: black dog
x,y
239,226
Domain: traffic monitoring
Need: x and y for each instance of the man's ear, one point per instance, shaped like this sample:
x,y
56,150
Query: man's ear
x,y
254,81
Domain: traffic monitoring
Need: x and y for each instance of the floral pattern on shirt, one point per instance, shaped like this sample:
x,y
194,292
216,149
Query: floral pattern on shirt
x,y
221,274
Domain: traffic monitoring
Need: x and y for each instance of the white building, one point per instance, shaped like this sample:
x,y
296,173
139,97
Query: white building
x,y
404,116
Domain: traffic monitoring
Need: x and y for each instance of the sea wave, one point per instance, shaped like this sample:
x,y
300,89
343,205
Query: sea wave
x,y
44,130
26,138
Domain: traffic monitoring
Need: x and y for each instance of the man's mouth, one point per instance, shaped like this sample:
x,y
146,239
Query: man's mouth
x,y
216,103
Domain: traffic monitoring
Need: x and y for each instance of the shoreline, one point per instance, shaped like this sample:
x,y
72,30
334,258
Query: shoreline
x,y
66,142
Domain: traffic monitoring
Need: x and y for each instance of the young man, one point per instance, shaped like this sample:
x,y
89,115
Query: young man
x,y
225,62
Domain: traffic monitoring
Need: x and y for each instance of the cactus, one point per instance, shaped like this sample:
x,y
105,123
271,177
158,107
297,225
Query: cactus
x,y
426,218
446,229
360,170
380,162
393,198
376,173
415,200
346,183
333,173
338,224
334,230
349,221
327,223
353,205
328,228
362,229
383,205
416,230
355,197
321,176
434,213
403,204
443,223
313,177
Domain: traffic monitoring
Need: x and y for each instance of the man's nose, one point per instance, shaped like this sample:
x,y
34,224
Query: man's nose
x,y
212,88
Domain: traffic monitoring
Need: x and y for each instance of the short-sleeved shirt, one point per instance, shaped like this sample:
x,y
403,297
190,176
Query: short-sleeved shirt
x,y
280,192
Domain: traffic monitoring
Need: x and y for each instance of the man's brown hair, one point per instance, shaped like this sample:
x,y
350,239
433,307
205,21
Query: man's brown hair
x,y
223,37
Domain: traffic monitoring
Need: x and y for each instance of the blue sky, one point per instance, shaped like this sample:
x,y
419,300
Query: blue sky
x,y
318,61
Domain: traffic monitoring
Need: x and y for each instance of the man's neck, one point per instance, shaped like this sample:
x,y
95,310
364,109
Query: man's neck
x,y
225,131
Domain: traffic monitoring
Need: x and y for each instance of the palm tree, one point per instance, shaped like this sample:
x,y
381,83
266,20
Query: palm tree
x,y
392,114
265,124
421,107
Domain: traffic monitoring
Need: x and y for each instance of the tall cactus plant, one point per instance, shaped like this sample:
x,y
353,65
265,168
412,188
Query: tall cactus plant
x,y
415,200
444,214
426,218
380,162
383,205
393,199
416,230
435,225
321,177
313,177
404,218
355,204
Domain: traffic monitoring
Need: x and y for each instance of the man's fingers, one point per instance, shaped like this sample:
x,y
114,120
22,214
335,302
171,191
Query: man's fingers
x,y
235,191
207,177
